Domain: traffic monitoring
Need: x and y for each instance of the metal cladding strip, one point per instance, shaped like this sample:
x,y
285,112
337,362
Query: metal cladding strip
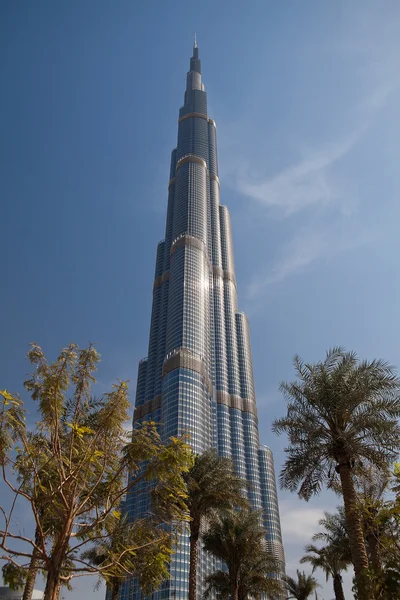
x,y
226,239
214,177
215,225
193,115
245,358
271,516
162,332
212,149
227,275
230,306
141,382
190,240
154,327
234,401
185,359
170,212
160,259
191,158
153,343
230,301
147,408
221,363
224,435
161,278
173,163
187,240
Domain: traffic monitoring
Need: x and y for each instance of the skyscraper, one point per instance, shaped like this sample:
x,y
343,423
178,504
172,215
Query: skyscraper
x,y
198,374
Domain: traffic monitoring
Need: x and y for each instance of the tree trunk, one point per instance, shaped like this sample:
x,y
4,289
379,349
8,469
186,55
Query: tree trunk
x,y
53,582
57,558
235,590
338,587
33,569
52,589
194,539
356,536
374,553
58,590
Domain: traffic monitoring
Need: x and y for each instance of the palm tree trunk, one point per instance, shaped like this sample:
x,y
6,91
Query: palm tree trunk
x,y
338,587
194,539
374,553
356,536
33,569
235,590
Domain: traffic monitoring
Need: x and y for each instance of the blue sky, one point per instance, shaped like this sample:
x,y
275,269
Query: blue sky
x,y
305,96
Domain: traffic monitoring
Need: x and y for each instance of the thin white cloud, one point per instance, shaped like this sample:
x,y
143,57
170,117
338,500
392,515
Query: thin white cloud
x,y
378,98
314,181
302,184
299,523
320,185
298,254
307,248
310,180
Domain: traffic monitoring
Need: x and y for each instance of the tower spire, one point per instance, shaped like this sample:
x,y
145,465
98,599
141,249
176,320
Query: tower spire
x,y
193,81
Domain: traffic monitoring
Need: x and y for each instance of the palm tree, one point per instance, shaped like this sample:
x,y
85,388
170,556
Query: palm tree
x,y
33,568
341,413
371,486
129,549
303,587
331,562
212,486
334,532
98,555
238,539
254,581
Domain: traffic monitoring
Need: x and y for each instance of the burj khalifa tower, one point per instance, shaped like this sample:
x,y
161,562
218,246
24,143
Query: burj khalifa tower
x,y
198,375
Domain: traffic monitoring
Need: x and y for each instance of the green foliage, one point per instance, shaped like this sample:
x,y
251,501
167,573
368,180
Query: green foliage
x,y
212,487
238,540
339,411
254,580
383,519
396,478
131,548
331,562
326,558
13,576
303,587
76,467
334,534
342,417
12,424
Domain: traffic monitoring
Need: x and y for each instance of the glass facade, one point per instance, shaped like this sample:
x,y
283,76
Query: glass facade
x,y
198,376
